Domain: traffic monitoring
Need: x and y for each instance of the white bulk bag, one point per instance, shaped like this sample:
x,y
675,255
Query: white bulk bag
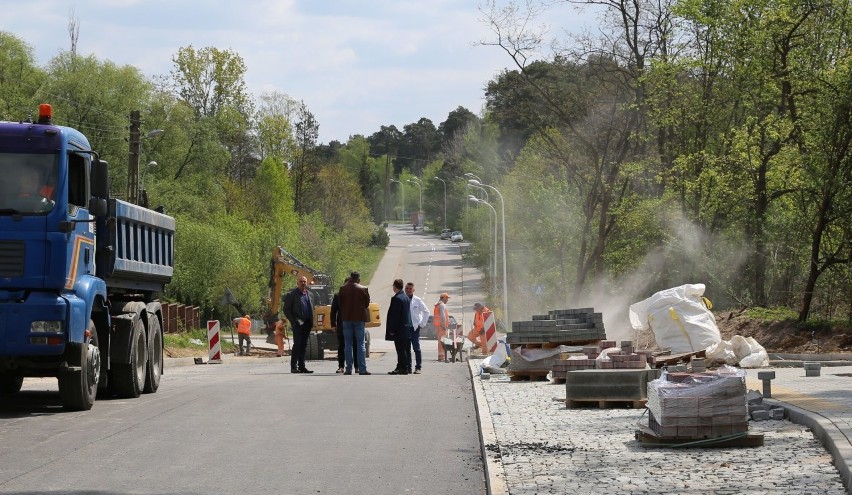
x,y
679,319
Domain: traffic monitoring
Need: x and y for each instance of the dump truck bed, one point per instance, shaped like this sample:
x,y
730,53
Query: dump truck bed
x,y
135,248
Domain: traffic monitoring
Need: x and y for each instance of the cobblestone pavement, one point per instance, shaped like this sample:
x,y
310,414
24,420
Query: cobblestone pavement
x,y
535,445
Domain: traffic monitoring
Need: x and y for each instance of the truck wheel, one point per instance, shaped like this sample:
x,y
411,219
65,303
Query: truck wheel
x,y
154,369
367,344
78,388
10,384
314,352
128,379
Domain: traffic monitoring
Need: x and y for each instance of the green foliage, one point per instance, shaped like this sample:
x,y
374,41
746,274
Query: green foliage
x,y
771,314
380,238
20,78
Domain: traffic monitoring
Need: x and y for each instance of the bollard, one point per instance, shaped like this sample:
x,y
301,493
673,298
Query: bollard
x,y
214,346
811,368
767,377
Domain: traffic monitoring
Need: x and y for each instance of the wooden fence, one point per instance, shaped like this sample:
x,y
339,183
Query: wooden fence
x,y
178,317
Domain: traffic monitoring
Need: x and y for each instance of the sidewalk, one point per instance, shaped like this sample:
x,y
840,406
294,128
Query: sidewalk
x,y
533,444
822,403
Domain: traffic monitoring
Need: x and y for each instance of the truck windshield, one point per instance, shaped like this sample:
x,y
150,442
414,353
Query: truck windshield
x,y
28,184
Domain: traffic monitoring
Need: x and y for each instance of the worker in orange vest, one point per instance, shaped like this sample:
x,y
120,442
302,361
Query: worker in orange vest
x,y
441,320
280,333
477,333
244,333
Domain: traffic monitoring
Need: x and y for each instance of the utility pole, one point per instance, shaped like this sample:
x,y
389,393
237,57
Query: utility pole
x,y
133,162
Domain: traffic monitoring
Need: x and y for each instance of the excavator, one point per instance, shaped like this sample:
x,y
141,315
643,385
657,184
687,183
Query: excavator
x,y
321,290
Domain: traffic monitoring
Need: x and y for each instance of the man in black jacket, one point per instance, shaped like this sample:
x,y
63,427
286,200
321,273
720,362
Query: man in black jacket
x,y
398,328
299,310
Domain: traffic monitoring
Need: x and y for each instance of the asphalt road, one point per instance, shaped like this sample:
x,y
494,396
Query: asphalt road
x,y
250,426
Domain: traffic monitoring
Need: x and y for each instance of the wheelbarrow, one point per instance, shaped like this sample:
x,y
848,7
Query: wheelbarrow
x,y
455,346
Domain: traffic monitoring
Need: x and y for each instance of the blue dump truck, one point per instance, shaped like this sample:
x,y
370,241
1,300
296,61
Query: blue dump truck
x,y
78,270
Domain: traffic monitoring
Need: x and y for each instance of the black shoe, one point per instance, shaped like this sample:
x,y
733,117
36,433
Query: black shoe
x,y
365,373
394,372
347,372
305,370
295,371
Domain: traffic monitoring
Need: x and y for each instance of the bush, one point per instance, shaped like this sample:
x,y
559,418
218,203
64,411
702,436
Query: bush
x,y
380,238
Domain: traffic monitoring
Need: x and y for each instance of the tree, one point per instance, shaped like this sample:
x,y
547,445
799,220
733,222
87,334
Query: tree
x,y
19,78
304,168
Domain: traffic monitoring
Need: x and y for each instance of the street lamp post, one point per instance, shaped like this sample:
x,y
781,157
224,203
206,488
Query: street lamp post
x,y
401,188
416,181
474,199
445,199
503,224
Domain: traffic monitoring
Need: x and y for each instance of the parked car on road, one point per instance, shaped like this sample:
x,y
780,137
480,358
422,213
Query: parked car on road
x,y
446,233
429,331
456,236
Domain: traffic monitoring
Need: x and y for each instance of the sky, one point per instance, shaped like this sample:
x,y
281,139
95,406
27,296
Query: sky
x,y
357,64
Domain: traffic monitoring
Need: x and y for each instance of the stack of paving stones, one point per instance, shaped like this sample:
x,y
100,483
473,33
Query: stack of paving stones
x,y
698,405
560,327
628,358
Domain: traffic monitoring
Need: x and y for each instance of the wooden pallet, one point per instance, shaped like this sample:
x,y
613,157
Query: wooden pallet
x,y
648,438
605,403
527,376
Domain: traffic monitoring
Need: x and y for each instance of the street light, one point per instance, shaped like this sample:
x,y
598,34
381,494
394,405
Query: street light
x,y
416,181
503,223
484,191
401,188
445,199
474,199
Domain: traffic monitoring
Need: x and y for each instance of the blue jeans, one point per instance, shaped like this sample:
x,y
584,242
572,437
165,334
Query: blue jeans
x,y
415,344
353,332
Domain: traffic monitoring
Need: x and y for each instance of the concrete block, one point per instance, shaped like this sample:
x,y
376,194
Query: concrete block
x,y
608,384
761,415
777,413
812,372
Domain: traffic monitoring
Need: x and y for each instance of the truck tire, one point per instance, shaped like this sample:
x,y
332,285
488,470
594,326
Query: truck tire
x,y
366,344
10,384
128,379
78,387
314,351
154,368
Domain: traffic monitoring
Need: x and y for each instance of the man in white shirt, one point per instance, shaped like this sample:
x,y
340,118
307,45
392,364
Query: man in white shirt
x,y
419,318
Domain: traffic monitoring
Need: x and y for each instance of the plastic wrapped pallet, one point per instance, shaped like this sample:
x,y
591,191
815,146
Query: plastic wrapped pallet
x,y
699,405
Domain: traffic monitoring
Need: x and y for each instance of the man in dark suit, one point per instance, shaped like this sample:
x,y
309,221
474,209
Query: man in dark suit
x,y
299,310
398,328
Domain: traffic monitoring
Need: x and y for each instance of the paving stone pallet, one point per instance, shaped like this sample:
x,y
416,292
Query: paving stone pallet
x,y
561,326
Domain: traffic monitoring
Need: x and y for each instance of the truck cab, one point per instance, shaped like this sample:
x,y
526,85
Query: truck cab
x,y
77,269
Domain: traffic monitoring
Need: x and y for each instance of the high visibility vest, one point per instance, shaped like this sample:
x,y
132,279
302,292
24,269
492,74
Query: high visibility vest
x,y
439,316
244,326
479,319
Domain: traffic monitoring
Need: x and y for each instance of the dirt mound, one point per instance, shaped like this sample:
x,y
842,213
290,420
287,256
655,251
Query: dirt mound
x,y
787,336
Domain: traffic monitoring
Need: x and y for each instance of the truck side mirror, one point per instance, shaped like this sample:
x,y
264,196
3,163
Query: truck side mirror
x,y
97,206
100,179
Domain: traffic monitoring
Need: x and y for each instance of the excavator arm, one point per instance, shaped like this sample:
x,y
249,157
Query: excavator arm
x,y
284,263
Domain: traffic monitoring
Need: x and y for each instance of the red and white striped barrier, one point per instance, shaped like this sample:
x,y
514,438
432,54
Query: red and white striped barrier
x,y
490,332
214,344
